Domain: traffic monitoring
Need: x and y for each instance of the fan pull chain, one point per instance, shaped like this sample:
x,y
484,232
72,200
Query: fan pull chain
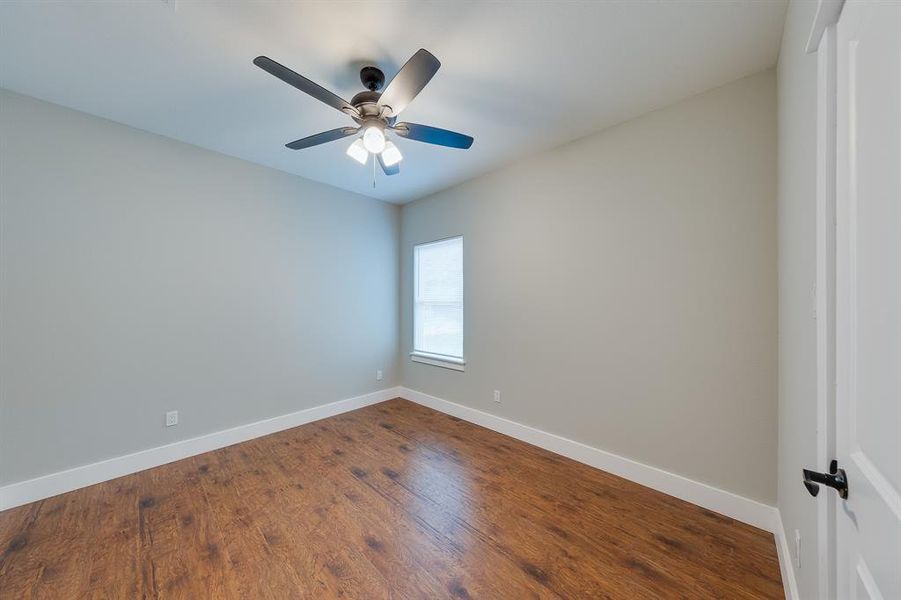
x,y
373,170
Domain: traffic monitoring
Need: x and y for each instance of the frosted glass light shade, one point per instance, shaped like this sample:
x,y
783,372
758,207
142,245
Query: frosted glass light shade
x,y
358,152
391,154
374,139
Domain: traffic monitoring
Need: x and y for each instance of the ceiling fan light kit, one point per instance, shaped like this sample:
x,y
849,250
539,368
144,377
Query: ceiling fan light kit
x,y
375,112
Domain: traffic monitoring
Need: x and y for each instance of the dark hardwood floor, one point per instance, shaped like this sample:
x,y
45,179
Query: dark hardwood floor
x,y
390,501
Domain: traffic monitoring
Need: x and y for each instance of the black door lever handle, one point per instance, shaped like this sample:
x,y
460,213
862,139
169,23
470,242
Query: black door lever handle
x,y
835,478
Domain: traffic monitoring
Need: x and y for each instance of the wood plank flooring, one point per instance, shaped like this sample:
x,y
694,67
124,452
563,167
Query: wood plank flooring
x,y
390,501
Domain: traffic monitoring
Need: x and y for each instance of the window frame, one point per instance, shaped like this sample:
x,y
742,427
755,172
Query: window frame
x,y
456,363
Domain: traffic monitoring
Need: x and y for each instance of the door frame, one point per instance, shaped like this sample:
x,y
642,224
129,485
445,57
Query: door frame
x,y
822,41
825,303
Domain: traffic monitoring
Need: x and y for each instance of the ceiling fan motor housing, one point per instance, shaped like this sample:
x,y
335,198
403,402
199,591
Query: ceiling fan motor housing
x,y
367,105
367,102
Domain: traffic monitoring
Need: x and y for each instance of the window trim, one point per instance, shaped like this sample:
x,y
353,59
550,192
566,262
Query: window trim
x,y
438,360
455,363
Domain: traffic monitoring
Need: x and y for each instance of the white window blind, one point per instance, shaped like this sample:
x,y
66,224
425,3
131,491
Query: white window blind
x,y
438,299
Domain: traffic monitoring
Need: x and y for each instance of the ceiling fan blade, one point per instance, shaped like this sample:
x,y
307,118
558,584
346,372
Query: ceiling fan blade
x,y
409,81
392,170
433,135
305,85
322,138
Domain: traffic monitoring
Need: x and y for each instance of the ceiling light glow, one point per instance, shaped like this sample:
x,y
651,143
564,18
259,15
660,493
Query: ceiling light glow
x,y
374,139
358,152
391,154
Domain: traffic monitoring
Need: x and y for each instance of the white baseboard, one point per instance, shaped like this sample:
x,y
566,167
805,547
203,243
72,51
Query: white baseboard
x,y
789,583
732,505
729,504
23,492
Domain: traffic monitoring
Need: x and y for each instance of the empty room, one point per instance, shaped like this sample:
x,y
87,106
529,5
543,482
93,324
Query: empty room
x,y
499,300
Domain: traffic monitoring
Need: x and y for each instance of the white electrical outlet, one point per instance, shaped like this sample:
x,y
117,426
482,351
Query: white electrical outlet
x,y
497,395
378,375
797,549
171,418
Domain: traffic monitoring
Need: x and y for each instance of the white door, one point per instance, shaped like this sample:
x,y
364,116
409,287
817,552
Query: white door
x,y
868,298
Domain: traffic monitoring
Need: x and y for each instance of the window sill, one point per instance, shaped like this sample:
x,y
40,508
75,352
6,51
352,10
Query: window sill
x,y
437,360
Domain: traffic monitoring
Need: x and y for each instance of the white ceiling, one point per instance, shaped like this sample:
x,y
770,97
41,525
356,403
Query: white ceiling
x,y
519,77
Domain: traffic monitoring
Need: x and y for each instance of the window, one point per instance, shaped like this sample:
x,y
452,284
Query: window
x,y
438,303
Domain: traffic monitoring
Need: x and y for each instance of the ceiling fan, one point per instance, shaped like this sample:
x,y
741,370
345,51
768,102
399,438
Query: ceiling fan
x,y
375,112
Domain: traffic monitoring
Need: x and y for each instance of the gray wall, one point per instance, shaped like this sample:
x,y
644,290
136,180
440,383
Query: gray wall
x,y
797,83
139,275
621,289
